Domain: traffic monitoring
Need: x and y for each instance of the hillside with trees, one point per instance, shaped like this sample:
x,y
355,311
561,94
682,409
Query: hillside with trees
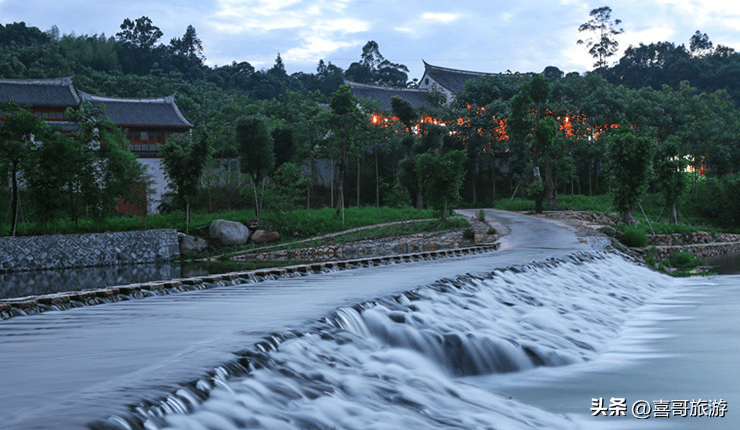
x,y
504,136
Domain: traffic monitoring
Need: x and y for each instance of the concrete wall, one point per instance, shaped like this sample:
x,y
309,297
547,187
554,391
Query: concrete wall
x,y
87,250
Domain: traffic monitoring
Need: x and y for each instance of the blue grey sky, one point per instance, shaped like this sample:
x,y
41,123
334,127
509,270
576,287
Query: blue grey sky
x,y
486,36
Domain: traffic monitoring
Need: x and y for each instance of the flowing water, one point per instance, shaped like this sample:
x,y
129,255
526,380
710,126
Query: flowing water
x,y
428,358
469,343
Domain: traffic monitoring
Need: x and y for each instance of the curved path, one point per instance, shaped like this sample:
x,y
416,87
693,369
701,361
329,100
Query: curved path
x,y
64,369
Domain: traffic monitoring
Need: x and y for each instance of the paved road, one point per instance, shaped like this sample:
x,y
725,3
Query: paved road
x,y
63,369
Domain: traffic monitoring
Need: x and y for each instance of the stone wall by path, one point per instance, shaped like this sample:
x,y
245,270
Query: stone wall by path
x,y
419,242
703,250
19,254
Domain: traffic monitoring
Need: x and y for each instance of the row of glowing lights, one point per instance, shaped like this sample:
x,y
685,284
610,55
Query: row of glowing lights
x,y
500,130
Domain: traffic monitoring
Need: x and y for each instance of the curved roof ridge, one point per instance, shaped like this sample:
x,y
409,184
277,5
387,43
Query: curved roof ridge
x,y
151,110
449,69
65,80
379,87
93,97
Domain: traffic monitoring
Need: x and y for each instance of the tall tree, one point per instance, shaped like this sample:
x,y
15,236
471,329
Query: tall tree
x,y
373,68
189,45
527,126
603,45
440,170
141,33
18,133
699,44
184,160
346,124
629,166
256,154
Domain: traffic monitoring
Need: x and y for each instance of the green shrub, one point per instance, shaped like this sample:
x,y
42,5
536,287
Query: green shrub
x,y
481,216
684,260
634,237
491,230
468,233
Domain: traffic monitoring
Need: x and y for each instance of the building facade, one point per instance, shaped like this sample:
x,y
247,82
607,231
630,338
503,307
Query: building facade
x,y
146,123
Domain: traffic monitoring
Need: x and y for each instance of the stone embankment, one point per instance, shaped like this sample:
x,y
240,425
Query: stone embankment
x,y
420,242
19,254
700,244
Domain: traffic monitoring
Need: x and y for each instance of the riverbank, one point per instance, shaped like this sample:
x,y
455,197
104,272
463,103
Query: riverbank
x,y
701,245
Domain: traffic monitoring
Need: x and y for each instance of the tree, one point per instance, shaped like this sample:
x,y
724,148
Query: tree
x,y
256,154
407,115
140,33
670,166
189,45
699,44
440,171
346,123
184,160
629,166
605,44
18,134
373,68
526,126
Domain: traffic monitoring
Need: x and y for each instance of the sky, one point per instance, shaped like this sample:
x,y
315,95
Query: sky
x,y
477,35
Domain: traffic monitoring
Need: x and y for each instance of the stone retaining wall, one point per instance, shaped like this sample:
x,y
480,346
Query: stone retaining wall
x,y
18,254
703,250
419,242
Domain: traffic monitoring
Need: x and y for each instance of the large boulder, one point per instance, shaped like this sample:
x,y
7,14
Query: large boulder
x,y
228,233
191,245
263,236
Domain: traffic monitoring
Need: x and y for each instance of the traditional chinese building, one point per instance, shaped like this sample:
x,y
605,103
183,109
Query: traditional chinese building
x,y
417,98
46,98
449,81
146,123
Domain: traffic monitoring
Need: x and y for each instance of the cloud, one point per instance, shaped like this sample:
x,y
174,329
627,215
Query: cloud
x,y
444,18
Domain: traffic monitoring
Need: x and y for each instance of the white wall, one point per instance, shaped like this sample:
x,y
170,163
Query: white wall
x,y
156,174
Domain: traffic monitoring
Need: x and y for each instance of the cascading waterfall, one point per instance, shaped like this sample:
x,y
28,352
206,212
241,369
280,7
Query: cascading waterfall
x,y
398,362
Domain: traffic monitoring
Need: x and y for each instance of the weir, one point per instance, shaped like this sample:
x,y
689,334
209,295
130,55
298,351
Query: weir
x,y
398,346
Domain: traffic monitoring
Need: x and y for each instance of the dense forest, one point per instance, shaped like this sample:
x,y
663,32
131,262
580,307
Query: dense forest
x,y
534,135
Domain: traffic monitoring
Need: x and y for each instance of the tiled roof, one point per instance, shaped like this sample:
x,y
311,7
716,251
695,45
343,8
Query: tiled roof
x,y
39,92
158,112
383,95
451,79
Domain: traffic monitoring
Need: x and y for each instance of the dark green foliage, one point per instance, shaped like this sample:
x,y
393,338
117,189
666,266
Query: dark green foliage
x,y
634,237
256,153
684,260
288,188
183,160
469,234
629,166
720,200
373,68
441,178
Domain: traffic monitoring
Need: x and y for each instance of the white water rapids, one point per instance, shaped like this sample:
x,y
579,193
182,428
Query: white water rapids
x,y
406,361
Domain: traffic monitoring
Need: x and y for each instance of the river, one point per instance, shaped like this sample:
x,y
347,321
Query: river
x,y
529,336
